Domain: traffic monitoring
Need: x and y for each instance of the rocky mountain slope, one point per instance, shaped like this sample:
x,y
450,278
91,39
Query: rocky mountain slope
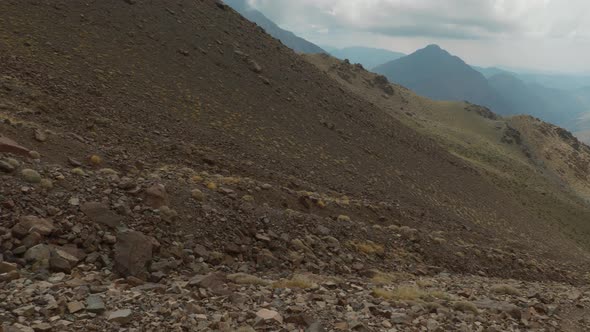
x,y
288,38
529,157
167,166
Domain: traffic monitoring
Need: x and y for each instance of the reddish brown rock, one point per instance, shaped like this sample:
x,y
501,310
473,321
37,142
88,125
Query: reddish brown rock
x,y
133,254
30,224
100,213
10,146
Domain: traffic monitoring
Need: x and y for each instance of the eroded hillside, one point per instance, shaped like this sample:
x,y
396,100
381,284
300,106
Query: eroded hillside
x,y
541,165
190,172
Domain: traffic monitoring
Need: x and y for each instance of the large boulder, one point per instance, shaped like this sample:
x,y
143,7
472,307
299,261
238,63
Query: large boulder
x,y
38,253
64,258
133,254
30,224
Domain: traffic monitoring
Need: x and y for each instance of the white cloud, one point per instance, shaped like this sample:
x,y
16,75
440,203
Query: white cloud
x,y
558,28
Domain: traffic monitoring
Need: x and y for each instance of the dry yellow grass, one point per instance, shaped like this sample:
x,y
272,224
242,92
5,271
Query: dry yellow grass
x,y
402,293
382,278
505,290
297,281
465,306
95,160
343,218
410,293
368,248
247,279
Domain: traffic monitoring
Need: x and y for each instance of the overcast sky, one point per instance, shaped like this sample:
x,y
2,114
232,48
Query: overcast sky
x,y
549,35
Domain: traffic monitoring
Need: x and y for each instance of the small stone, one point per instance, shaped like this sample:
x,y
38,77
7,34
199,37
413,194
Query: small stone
x,y
31,176
9,276
121,317
74,201
255,67
156,196
25,311
432,324
74,162
95,304
7,267
56,278
42,327
59,264
266,315
316,327
74,307
32,239
6,167
40,135
399,318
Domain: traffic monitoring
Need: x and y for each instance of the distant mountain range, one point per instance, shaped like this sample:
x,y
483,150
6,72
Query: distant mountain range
x,y
288,38
434,73
555,81
366,56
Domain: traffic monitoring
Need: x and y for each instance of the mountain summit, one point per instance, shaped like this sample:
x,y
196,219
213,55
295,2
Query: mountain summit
x,y
435,73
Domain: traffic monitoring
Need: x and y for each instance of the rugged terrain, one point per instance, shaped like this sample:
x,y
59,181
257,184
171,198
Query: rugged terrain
x,y
168,166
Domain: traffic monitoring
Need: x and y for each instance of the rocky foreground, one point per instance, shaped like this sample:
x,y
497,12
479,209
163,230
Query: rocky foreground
x,y
84,247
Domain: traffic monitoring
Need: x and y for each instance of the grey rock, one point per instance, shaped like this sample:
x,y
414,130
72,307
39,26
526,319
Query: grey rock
x,y
121,317
95,304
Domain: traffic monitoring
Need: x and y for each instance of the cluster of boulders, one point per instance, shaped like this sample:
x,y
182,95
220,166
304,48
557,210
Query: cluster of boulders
x,y
100,251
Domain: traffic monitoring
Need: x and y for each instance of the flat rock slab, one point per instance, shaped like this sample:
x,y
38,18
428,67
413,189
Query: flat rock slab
x,y
100,213
122,317
95,304
10,146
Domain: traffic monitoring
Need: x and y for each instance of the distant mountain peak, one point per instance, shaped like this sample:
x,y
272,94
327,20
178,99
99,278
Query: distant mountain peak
x,y
433,47
437,74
